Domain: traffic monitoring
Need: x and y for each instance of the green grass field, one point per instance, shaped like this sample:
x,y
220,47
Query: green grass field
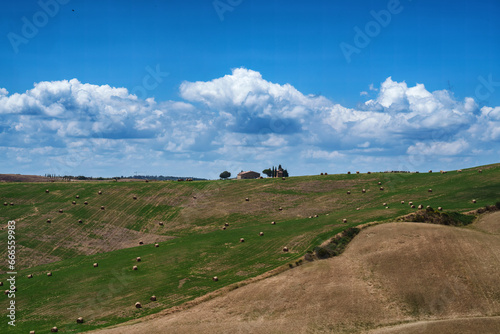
x,y
192,245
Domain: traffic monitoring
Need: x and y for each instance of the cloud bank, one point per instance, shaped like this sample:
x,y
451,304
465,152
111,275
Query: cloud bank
x,y
238,122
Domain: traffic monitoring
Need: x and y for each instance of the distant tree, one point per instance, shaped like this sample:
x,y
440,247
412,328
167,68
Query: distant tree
x,y
225,174
285,173
268,172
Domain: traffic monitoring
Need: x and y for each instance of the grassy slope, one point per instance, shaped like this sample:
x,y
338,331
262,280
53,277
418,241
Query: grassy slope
x,y
181,268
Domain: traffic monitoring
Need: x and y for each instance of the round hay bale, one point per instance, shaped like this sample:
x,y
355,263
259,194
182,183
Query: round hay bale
x,y
32,332
344,220
5,203
410,203
460,171
310,216
321,174
30,276
86,203
223,227
413,206
280,208
379,183
6,292
138,259
226,224
96,265
242,240
60,210
326,173
474,201
215,278
387,207
157,245
381,188
1,283
348,173
77,196
428,206
194,197
363,191
160,223
261,233
402,202
135,197
49,274
54,330
357,172
79,320
285,249
134,268
141,243
99,192
102,207
11,203
46,191
384,204
49,221
440,208
80,221
74,202
315,216
348,192
138,305
430,171
283,178
420,206
152,298
429,190
274,223
480,171
247,199
358,209
368,172
147,181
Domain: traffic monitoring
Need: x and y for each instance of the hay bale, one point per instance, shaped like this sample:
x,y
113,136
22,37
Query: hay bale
x,y
430,171
428,206
368,172
280,208
460,171
410,203
381,188
160,223
157,245
77,196
429,190
402,202
315,216
46,191
413,206
274,223
474,201
96,265
326,173
215,278
135,197
348,192
74,202
102,207
321,174
283,178
79,320
420,206
80,221
99,192
85,202
49,274
387,207
30,276
138,305
152,298
261,233
358,209
49,221
5,203
6,292
11,203
285,249
223,227
134,268
60,210
440,208
242,240
344,220
379,183
480,171
247,199
348,173
384,204
1,283
54,330
147,181
226,224
138,259
32,332
141,243
363,191
357,172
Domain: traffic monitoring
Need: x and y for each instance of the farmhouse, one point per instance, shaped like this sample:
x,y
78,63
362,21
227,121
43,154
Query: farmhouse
x,y
248,175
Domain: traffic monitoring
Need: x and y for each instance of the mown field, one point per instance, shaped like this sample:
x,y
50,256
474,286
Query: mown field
x,y
192,245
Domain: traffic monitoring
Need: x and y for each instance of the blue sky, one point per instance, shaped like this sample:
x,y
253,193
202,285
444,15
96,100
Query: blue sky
x,y
197,87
